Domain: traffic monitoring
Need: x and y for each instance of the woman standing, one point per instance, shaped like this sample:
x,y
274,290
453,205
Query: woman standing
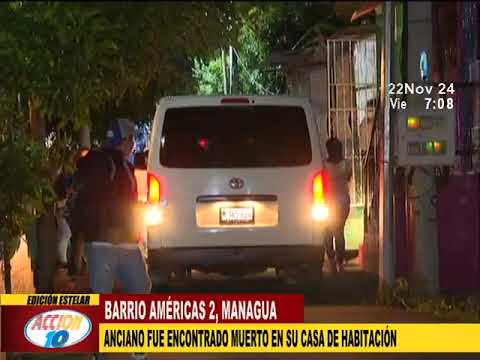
x,y
338,200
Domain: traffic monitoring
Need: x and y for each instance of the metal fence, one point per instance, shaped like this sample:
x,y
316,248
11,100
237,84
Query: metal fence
x,y
352,99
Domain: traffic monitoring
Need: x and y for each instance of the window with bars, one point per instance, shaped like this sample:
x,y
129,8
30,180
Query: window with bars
x,y
352,99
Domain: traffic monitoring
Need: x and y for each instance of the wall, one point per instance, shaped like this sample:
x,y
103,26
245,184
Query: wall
x,y
22,275
319,99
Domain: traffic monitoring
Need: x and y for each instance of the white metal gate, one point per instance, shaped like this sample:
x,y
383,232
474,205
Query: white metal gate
x,y
352,99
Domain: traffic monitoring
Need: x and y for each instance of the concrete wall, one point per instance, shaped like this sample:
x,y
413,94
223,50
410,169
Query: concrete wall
x,y
319,99
22,275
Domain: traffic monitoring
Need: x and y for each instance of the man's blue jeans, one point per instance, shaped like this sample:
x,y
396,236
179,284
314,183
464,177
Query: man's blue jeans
x,y
125,262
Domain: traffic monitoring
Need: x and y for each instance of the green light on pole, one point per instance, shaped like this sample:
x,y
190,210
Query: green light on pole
x,y
430,147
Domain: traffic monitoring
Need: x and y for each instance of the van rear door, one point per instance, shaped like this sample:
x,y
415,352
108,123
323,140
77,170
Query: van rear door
x,y
234,175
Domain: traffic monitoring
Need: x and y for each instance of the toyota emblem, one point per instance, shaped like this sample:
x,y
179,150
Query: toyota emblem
x,y
236,183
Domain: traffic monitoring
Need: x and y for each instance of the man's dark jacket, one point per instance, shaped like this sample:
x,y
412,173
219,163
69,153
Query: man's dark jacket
x,y
107,193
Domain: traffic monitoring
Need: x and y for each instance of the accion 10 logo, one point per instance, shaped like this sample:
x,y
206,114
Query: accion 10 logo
x,y
57,328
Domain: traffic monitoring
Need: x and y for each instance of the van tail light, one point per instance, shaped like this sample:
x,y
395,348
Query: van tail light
x,y
320,211
154,189
153,213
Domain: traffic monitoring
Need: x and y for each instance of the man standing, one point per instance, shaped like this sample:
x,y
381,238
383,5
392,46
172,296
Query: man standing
x,y
107,202
76,255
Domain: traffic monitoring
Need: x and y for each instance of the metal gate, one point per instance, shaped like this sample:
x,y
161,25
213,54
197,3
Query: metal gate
x,y
352,100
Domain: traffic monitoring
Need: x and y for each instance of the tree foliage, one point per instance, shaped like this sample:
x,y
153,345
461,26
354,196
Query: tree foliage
x,y
82,63
210,75
24,186
256,75
251,53
76,58
267,27
284,25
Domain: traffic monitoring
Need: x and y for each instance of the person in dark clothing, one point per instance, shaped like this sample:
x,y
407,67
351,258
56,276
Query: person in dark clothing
x,y
107,201
76,255
338,200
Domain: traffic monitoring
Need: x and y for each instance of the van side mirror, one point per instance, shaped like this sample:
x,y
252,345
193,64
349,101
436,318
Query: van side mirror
x,y
140,160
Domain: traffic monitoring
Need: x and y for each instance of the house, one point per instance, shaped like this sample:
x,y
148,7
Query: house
x,y
421,224
339,75
424,224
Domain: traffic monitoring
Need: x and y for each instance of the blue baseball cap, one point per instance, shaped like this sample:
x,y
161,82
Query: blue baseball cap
x,y
119,130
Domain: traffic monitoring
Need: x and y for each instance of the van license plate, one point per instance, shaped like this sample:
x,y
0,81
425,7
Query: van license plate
x,y
237,216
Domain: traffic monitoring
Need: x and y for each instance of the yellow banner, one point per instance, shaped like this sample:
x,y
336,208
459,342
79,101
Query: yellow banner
x,y
308,338
49,299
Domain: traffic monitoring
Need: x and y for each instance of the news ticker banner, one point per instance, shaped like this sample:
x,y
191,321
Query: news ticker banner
x,y
178,323
71,322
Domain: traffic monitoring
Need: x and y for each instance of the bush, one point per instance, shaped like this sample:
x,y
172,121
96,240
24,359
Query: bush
x,y
446,308
24,188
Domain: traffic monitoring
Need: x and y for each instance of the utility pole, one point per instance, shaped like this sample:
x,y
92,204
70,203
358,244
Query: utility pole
x,y
386,235
235,72
224,73
230,65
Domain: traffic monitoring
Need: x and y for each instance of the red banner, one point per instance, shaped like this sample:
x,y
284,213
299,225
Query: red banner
x,y
195,308
16,318
74,328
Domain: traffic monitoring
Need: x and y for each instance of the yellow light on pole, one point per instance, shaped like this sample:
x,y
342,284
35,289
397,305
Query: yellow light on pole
x,y
413,123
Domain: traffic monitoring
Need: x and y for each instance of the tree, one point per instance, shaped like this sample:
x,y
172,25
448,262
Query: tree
x,y
209,75
251,55
256,75
289,24
24,186
267,27
67,64
70,58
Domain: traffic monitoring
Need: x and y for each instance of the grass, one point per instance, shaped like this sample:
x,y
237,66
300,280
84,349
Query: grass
x,y
354,228
444,307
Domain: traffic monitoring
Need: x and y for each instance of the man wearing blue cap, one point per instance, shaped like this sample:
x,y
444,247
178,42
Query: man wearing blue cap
x,y
107,201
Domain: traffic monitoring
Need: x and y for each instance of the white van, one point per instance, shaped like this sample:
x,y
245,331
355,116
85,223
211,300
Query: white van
x,y
235,186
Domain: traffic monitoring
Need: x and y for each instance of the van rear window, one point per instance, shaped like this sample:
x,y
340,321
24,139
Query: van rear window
x,y
235,136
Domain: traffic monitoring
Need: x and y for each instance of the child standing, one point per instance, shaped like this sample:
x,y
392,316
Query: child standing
x,y
338,200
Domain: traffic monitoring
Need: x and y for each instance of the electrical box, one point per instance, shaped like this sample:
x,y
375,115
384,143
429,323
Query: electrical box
x,y
425,137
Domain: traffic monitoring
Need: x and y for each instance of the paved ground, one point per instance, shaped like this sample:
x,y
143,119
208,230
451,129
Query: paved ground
x,y
348,297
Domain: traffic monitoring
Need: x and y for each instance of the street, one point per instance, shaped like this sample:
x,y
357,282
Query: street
x,y
344,298
262,134
354,287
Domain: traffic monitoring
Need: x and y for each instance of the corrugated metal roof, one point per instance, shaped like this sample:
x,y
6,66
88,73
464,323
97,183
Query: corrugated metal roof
x,y
365,9
355,31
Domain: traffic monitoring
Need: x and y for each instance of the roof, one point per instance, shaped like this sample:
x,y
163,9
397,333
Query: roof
x,y
366,9
355,32
345,9
315,54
